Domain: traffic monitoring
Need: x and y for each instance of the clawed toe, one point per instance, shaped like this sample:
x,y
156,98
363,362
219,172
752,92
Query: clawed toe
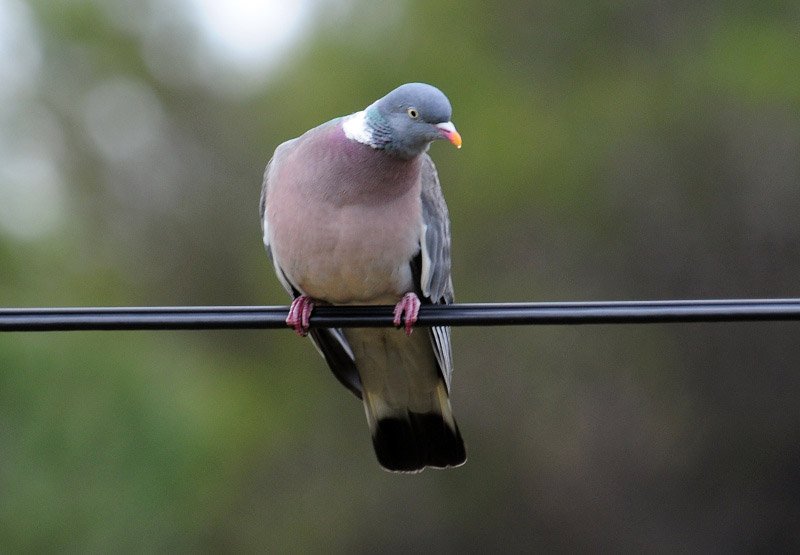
x,y
300,314
407,309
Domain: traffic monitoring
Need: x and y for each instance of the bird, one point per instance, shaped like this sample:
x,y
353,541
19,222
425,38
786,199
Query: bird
x,y
352,213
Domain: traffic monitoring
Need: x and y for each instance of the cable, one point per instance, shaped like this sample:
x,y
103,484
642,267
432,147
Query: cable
x,y
484,314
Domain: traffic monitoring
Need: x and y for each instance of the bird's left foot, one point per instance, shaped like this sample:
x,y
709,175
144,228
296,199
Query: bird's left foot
x,y
299,314
408,309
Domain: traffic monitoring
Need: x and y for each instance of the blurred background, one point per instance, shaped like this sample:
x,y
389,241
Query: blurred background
x,y
612,150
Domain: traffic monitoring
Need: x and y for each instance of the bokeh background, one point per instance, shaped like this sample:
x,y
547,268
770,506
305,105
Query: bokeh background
x,y
612,150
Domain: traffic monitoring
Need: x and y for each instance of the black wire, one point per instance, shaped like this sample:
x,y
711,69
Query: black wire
x,y
485,314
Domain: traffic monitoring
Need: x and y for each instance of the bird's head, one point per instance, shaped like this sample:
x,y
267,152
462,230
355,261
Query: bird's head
x,y
407,120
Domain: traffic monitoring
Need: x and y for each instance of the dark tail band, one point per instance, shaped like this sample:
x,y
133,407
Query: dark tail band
x,y
409,445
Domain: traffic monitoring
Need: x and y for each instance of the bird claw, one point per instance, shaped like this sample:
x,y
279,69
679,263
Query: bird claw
x,y
299,314
408,309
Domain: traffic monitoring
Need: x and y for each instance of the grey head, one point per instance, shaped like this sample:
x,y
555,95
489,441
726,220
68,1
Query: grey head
x,y
408,119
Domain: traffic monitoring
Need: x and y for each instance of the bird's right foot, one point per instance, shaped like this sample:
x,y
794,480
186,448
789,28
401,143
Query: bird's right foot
x,y
299,314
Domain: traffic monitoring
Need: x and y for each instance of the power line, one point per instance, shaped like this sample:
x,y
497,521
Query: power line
x,y
483,314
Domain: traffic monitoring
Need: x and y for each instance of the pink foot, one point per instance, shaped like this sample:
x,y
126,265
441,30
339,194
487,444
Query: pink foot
x,y
408,307
299,314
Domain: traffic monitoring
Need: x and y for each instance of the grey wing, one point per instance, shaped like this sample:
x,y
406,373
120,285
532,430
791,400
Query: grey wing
x,y
330,343
435,282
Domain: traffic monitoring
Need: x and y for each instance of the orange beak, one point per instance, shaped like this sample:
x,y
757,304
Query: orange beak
x,y
449,132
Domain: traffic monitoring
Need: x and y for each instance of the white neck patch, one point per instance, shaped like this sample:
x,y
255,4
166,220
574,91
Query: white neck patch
x,y
356,129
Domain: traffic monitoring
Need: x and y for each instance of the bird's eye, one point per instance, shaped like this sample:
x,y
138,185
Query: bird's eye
x,y
412,113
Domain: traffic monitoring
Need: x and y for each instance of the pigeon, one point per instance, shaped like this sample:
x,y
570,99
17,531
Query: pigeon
x,y
352,213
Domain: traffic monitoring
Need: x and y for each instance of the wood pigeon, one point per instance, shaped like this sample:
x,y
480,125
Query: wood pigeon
x,y
352,213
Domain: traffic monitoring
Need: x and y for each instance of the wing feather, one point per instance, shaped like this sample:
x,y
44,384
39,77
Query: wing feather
x,y
433,262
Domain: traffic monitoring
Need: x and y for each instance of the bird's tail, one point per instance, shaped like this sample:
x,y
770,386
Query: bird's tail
x,y
407,441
